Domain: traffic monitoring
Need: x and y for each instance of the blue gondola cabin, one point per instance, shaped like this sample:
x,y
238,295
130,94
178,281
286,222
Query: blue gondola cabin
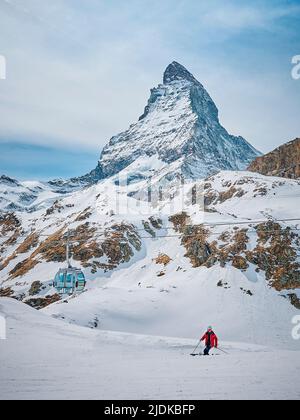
x,y
69,280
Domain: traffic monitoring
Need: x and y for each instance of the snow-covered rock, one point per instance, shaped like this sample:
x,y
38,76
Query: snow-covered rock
x,y
180,124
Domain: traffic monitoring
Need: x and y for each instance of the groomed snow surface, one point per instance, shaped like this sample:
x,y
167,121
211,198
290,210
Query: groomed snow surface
x,y
44,358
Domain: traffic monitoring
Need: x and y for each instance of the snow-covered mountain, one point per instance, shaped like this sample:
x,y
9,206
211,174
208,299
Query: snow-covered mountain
x,y
179,130
181,242
24,196
30,196
180,124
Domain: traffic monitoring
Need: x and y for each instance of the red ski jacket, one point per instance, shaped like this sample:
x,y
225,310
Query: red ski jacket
x,y
210,338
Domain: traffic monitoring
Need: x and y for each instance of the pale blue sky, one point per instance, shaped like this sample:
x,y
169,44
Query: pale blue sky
x,y
79,72
25,161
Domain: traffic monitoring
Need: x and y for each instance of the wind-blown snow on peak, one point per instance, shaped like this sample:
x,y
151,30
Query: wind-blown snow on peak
x,y
180,122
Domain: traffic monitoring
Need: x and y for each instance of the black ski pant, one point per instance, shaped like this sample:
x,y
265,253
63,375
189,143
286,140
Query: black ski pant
x,y
207,350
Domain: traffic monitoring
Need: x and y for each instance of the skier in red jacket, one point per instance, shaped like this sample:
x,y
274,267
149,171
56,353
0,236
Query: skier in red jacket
x,y
211,340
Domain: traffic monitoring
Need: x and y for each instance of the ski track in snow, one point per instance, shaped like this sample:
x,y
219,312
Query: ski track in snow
x,y
43,358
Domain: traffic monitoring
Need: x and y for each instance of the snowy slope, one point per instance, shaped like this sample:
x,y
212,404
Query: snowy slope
x,y
250,196
78,363
30,196
183,304
180,122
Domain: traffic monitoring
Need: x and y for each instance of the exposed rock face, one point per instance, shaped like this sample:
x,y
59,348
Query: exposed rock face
x,y
180,124
282,162
270,248
7,292
115,247
162,259
43,302
35,288
274,252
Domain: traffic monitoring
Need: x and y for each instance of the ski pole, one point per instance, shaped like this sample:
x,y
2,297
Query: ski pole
x,y
192,354
223,350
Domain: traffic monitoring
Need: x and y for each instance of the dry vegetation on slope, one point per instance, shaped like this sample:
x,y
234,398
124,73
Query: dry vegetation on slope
x,y
274,251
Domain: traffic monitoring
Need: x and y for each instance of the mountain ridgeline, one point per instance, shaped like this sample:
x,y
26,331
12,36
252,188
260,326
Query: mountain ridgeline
x,y
180,124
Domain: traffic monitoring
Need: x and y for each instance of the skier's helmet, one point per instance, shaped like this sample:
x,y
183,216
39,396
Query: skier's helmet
x,y
209,328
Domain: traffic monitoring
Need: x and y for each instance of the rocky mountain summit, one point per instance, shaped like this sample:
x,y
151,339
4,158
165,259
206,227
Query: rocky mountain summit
x,y
283,162
180,124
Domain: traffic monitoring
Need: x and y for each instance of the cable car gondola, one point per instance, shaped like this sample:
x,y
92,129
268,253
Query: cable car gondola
x,y
69,280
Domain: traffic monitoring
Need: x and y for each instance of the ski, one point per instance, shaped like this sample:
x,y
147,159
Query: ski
x,y
203,355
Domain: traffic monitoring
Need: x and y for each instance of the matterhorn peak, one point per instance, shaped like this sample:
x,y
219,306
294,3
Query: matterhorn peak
x,y
176,71
180,127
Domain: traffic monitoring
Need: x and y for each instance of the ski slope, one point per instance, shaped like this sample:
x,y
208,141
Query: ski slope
x,y
182,304
44,358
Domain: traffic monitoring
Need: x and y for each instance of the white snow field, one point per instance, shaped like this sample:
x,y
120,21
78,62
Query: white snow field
x,y
182,304
44,358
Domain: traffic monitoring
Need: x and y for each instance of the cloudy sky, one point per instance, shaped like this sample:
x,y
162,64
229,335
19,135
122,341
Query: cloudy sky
x,y
79,71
